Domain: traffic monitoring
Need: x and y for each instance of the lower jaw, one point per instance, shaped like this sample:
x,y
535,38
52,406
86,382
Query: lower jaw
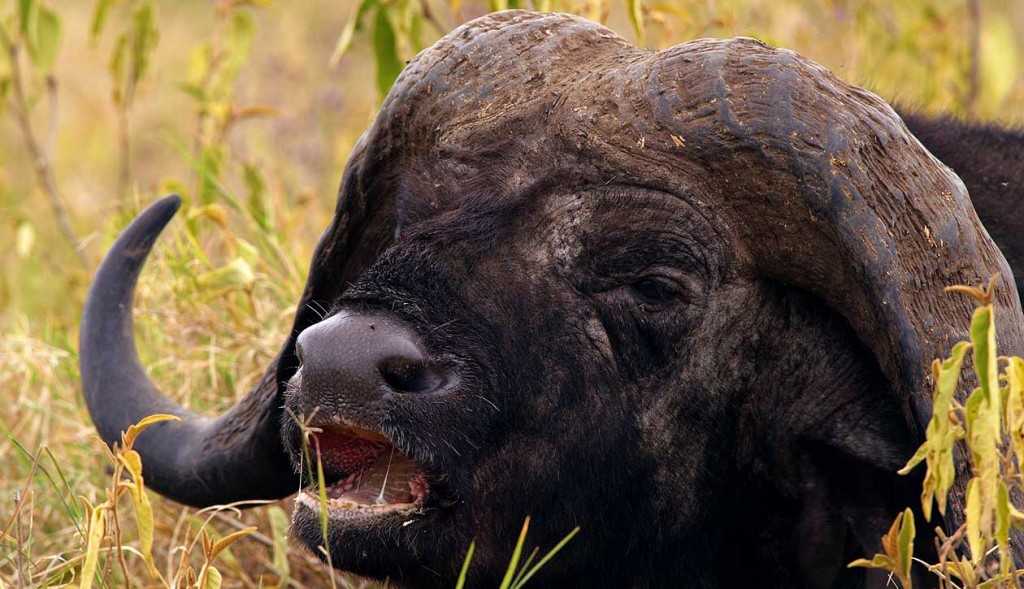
x,y
380,542
343,509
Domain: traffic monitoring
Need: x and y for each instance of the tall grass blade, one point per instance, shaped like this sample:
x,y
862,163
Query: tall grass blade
x,y
549,556
506,583
465,566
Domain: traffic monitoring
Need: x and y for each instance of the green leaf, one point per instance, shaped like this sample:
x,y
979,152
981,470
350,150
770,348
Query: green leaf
x,y
984,417
240,36
28,17
941,434
259,204
236,274
5,90
48,38
145,36
983,336
385,52
118,66
905,544
99,17
193,90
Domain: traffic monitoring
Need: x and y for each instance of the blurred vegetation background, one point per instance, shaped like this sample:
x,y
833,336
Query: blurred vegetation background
x,y
248,108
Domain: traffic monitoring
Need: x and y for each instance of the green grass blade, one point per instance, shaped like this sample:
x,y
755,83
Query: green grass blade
x,y
548,556
513,564
69,508
465,566
526,566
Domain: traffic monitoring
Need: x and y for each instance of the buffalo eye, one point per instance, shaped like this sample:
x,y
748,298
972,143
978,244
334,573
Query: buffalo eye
x,y
654,294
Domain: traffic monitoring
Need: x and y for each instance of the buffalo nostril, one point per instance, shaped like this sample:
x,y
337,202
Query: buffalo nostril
x,y
408,375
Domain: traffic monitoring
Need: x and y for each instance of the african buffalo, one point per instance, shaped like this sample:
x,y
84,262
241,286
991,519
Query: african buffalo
x,y
684,299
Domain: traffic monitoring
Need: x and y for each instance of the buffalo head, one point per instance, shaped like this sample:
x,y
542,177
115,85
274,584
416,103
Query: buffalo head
x,y
683,299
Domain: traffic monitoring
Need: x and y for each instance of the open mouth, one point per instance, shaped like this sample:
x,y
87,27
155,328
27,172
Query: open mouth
x,y
364,471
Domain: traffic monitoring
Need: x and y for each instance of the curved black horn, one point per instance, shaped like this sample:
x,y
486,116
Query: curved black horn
x,y
198,461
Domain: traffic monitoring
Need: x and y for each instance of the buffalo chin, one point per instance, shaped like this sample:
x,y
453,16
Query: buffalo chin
x,y
398,542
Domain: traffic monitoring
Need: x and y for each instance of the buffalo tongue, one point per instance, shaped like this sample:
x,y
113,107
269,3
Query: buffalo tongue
x,y
383,482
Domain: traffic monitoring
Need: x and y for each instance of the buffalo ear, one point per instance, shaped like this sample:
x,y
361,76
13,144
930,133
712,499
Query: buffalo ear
x,y
824,431
845,506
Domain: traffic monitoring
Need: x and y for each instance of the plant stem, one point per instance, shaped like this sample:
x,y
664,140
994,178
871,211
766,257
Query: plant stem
x,y
41,161
124,106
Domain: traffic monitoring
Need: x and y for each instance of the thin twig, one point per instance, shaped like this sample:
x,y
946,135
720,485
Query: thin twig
x,y
18,500
41,161
430,17
124,107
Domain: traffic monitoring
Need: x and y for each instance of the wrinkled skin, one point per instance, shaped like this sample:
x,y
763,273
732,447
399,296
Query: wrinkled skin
x,y
990,160
684,300
664,358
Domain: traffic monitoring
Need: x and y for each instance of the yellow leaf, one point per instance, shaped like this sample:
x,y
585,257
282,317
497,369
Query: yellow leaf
x,y
941,434
973,515
247,251
898,545
209,578
228,540
348,32
1003,528
133,462
128,437
880,561
214,212
255,111
236,274
905,546
1015,407
94,538
143,508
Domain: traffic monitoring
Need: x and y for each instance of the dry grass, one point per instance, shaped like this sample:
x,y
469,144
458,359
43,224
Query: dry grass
x,y
206,342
